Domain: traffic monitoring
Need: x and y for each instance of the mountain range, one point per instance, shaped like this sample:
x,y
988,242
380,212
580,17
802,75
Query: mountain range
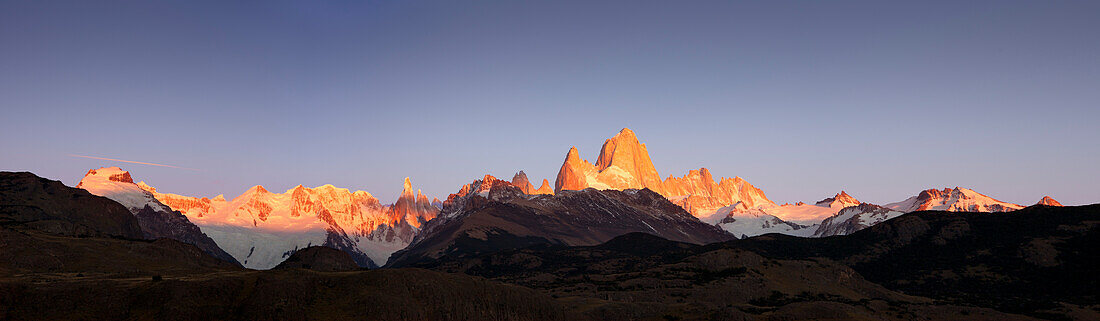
x,y
259,229
496,253
743,209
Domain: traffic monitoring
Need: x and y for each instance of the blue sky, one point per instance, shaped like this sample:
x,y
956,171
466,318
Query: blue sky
x,y
802,99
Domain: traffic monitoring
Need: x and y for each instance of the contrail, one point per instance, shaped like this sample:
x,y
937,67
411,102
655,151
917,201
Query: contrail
x,y
135,162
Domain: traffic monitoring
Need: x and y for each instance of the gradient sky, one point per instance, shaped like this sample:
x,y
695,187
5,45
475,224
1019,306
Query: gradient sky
x,y
802,99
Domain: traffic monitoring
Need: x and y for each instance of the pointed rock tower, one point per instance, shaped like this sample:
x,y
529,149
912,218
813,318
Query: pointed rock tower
x,y
544,189
413,207
520,181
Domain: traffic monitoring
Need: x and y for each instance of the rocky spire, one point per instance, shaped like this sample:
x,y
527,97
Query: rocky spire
x,y
520,181
407,190
544,189
573,172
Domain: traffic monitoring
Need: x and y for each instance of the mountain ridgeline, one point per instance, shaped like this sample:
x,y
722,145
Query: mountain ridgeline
x,y
608,240
495,252
259,229
490,214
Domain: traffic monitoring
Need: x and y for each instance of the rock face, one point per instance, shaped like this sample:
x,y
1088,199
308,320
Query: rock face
x,y
155,219
491,214
261,229
319,258
952,200
623,164
1048,201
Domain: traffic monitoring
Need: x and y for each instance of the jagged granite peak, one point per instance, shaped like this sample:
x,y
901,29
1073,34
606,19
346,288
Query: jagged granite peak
x,y
156,219
1048,201
520,181
477,187
413,208
700,195
953,200
625,152
407,189
574,172
841,200
545,189
623,163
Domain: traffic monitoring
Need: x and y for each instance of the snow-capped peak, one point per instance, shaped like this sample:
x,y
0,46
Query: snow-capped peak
x,y
114,174
116,184
956,199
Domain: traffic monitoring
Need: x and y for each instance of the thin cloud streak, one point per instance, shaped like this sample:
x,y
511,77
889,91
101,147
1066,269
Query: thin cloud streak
x,y
134,162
